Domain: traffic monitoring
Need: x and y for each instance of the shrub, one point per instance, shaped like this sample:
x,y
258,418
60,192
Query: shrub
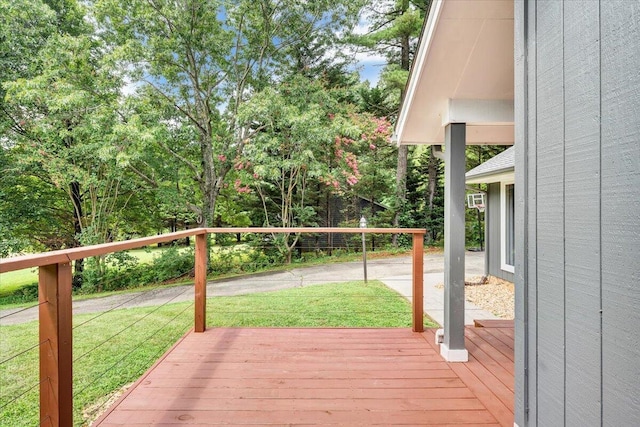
x,y
172,263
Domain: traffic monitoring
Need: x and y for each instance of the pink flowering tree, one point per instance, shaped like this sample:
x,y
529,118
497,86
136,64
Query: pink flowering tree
x,y
361,172
310,144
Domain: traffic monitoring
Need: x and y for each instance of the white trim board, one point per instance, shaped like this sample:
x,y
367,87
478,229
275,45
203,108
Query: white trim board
x,y
503,226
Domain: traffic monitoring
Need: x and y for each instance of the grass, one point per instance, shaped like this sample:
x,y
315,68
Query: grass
x,y
14,280
11,283
138,336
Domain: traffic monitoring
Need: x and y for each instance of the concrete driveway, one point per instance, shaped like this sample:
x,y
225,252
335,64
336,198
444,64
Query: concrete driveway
x,y
394,272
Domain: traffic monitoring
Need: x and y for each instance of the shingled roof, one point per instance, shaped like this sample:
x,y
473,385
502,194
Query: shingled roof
x,y
503,162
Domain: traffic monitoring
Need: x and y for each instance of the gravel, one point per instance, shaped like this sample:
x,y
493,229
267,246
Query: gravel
x,y
495,295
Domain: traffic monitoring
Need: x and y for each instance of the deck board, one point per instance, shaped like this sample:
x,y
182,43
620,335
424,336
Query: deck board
x,y
299,377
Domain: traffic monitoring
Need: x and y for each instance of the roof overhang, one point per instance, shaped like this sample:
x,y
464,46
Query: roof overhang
x,y
496,176
462,73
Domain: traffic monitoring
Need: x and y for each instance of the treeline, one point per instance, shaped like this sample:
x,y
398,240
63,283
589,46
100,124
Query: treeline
x,y
124,118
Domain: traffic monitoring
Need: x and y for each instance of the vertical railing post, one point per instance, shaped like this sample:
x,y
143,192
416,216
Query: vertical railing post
x,y
55,331
418,310
201,283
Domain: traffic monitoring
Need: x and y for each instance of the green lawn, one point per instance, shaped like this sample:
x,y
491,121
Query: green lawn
x,y
137,337
14,280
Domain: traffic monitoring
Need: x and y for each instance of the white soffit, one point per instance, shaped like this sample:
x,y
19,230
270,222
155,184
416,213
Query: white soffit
x,y
463,73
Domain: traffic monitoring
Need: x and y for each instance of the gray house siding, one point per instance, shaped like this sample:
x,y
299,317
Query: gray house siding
x,y
578,213
493,244
620,210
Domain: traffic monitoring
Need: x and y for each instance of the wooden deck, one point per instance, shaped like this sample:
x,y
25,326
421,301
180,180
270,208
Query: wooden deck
x,y
341,377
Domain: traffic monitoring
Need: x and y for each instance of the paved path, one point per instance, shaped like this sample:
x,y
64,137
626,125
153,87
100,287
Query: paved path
x,y
394,272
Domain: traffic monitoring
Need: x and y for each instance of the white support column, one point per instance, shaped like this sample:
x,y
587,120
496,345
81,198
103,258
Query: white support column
x,y
453,347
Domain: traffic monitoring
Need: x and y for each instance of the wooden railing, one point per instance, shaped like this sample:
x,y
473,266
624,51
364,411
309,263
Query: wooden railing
x,y
55,312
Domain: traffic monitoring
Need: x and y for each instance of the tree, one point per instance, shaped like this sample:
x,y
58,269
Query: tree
x,y
309,139
393,31
62,119
283,158
425,194
24,28
205,59
33,216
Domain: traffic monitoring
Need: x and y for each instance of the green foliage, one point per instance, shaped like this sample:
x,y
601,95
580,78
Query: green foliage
x,y
23,294
129,118
62,115
25,26
173,262
420,210
198,63
122,271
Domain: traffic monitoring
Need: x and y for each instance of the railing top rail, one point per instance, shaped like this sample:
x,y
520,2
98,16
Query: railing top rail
x,y
67,255
331,230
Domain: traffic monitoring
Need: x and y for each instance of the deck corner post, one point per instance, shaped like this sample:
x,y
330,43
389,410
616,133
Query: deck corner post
x,y
418,283
55,334
200,282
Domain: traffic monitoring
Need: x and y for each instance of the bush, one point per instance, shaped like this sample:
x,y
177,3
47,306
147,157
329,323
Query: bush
x,y
27,293
172,263
123,271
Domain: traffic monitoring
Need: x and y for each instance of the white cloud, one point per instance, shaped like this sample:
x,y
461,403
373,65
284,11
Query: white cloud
x,y
370,58
362,27
130,87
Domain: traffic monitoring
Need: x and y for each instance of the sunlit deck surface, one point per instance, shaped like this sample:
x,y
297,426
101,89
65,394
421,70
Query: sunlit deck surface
x,y
346,377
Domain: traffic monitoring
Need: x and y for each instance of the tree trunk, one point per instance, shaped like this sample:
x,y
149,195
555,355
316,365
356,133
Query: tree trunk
x,y
432,174
432,185
401,187
403,150
78,266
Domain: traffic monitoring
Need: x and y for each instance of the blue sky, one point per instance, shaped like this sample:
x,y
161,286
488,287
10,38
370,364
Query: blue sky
x,y
370,68
369,65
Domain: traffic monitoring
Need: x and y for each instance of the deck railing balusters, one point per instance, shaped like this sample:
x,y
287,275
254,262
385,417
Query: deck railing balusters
x,y
55,306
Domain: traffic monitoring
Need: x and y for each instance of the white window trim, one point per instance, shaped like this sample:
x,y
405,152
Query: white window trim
x,y
503,226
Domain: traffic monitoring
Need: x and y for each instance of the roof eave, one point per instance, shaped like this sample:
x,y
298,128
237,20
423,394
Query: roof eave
x,y
491,176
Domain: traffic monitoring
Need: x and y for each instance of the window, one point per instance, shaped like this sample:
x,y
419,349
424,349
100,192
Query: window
x,y
507,202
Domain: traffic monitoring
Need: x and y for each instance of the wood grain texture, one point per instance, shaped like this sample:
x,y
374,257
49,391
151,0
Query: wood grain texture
x,y
620,98
418,283
352,377
580,275
200,283
55,334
